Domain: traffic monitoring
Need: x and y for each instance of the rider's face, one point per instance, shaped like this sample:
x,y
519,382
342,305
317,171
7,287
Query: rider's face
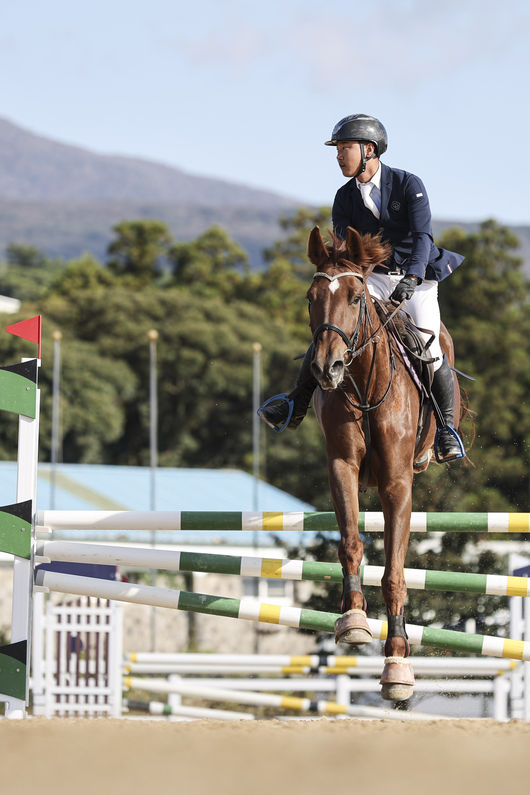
x,y
349,157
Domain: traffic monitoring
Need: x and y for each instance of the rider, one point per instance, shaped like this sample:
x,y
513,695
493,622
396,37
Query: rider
x,y
379,198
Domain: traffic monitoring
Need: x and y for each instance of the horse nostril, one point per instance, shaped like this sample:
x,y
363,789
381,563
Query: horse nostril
x,y
337,368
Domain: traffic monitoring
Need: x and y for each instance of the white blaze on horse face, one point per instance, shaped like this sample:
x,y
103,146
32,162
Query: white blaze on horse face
x,y
334,285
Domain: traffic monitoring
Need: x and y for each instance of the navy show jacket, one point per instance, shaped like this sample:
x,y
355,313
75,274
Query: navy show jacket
x,y
405,222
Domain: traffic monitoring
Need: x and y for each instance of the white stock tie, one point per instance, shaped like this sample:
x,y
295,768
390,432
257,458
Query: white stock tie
x,y
371,196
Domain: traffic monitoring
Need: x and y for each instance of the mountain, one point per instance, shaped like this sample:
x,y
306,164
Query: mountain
x,y
64,200
34,168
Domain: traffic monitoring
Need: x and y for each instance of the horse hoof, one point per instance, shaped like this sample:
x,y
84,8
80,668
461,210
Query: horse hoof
x,y
352,628
397,679
396,692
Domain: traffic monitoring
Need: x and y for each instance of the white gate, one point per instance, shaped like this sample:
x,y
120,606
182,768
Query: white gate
x,y
77,651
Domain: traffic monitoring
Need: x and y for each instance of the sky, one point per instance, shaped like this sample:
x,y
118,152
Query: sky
x,y
248,92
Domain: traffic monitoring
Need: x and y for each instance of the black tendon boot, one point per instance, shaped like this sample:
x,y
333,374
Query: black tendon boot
x,y
276,410
448,444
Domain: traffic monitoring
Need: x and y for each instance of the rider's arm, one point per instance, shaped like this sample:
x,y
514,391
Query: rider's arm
x,y
420,225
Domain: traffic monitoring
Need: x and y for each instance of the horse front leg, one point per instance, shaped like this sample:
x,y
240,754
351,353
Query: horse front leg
x,y
397,679
352,627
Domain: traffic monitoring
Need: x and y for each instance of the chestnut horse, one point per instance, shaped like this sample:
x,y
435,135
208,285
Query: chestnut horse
x,y
368,407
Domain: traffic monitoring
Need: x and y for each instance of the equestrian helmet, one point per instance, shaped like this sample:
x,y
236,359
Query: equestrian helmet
x,y
359,127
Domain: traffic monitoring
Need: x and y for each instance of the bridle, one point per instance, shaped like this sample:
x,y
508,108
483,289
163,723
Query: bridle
x,y
354,349
350,342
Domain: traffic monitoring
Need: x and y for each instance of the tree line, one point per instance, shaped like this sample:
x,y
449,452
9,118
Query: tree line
x,y
209,308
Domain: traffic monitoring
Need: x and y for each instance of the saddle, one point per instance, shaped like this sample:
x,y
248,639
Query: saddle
x,y
411,345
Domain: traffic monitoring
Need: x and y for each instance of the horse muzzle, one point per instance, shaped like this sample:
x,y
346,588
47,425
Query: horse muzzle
x,y
330,375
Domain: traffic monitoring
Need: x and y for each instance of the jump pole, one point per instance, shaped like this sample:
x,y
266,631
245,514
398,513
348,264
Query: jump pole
x,y
296,703
218,521
446,666
160,708
360,669
274,568
252,610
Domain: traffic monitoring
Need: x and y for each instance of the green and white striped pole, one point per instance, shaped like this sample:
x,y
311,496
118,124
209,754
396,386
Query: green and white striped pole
x,y
274,568
296,617
267,521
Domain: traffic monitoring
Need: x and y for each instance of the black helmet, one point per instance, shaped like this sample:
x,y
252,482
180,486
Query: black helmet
x,y
359,127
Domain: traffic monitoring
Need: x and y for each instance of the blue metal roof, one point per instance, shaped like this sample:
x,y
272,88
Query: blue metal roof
x,y
97,487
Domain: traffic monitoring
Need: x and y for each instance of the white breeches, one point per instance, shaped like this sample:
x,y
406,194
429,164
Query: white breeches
x,y
422,307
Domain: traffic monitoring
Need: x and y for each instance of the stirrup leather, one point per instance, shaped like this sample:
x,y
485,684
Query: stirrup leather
x,y
283,396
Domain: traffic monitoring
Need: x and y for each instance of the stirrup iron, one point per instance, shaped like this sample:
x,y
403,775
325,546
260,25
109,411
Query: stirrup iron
x,y
456,436
283,396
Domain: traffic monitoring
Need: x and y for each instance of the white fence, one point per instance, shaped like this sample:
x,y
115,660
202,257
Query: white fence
x,y
77,656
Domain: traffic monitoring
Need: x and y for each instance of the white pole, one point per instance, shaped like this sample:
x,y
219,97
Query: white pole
x,y
56,433
445,666
28,452
526,665
256,349
153,453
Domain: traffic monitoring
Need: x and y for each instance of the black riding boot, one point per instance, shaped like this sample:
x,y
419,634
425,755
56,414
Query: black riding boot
x,y
276,415
443,390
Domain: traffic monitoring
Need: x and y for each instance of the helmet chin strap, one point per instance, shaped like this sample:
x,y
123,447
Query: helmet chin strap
x,y
364,159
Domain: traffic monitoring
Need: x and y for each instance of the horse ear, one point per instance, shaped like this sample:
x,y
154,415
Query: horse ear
x,y
316,249
354,245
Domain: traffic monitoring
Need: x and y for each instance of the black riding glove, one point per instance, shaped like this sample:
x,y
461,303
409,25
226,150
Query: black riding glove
x,y
404,289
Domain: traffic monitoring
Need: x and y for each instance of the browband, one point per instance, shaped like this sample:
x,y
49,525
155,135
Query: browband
x,y
338,275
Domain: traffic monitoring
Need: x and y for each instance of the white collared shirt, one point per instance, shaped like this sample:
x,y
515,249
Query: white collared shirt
x,y
365,189
376,179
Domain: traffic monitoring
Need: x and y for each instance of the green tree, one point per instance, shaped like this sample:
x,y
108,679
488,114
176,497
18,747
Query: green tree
x,y
486,306
27,273
85,273
212,263
138,250
293,247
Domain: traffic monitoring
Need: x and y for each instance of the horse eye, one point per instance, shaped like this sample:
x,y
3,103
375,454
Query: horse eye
x,y
356,299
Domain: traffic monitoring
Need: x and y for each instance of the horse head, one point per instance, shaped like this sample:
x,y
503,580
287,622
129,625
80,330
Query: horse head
x,y
338,299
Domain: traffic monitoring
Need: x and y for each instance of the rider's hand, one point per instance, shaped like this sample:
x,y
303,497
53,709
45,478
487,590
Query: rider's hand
x,y
404,289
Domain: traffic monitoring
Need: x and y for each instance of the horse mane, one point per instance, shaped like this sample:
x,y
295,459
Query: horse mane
x,y
373,250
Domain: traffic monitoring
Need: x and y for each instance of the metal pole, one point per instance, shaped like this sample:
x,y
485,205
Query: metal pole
x,y
256,350
56,433
152,336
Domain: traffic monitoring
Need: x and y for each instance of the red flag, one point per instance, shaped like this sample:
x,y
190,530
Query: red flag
x,y
30,329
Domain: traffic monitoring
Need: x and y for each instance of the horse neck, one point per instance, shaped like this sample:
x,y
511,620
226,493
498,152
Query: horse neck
x,y
373,341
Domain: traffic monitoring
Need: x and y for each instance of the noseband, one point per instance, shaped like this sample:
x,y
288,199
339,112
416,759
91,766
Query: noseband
x,y
350,342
